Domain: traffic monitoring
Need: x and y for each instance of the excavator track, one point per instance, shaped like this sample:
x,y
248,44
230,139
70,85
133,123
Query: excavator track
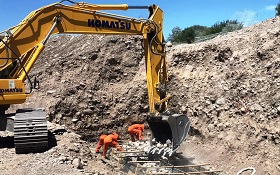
x,y
30,131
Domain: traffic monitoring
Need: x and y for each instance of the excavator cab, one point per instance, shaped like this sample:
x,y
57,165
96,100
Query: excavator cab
x,y
168,132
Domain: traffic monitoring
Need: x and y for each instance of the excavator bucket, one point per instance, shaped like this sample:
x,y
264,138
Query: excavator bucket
x,y
168,129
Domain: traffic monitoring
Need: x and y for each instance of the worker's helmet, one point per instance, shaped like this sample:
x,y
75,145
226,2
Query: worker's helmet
x,y
102,136
114,133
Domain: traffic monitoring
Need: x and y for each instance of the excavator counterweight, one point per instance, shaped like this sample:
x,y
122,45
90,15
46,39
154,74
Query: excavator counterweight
x,y
21,46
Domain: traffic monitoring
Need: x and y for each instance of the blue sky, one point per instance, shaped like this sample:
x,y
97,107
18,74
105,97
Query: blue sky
x,y
182,13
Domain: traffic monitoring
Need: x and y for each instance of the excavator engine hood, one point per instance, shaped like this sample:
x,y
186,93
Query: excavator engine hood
x,y
168,129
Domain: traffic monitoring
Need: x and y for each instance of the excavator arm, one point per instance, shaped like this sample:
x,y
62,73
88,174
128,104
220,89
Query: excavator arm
x,y
21,45
26,41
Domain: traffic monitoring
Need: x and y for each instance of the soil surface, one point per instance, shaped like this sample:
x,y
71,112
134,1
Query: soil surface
x,y
228,87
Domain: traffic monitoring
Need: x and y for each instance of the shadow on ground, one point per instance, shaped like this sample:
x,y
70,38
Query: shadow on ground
x,y
7,142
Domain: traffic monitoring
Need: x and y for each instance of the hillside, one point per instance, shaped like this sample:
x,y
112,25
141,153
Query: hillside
x,y
228,86
231,91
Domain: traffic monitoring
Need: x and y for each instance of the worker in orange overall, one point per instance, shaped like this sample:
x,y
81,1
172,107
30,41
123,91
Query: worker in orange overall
x,y
111,140
136,130
100,142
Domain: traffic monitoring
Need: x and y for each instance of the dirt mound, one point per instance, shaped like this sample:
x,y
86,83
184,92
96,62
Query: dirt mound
x,y
92,83
228,86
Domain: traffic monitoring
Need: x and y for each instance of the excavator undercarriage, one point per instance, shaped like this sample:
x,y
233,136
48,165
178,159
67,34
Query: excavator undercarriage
x,y
29,127
30,131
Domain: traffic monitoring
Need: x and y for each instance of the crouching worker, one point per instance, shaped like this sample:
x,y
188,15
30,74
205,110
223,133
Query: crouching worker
x,y
100,142
136,130
111,141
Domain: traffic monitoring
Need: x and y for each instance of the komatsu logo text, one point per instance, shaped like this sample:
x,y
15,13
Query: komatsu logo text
x,y
10,90
109,24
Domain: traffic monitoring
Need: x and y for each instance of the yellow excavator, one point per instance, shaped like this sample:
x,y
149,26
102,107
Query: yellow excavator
x,y
21,45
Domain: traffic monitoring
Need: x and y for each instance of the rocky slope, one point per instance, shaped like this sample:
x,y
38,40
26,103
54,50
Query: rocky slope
x,y
231,92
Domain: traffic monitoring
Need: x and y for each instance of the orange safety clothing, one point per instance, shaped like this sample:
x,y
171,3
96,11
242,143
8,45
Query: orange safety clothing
x,y
136,130
100,142
111,141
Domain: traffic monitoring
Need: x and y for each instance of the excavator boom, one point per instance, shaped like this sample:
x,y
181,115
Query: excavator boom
x,y
21,46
